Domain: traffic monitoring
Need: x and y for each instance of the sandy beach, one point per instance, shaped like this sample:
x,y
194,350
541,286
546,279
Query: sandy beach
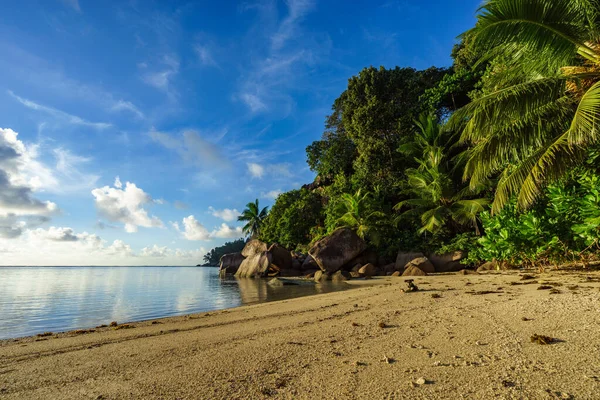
x,y
459,336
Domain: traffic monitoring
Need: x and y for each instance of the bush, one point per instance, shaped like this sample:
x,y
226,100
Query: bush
x,y
293,218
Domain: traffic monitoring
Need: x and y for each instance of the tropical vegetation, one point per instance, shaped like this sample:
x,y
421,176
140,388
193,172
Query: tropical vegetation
x,y
496,155
254,218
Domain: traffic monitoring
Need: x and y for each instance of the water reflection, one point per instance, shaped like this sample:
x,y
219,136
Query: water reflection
x,y
34,299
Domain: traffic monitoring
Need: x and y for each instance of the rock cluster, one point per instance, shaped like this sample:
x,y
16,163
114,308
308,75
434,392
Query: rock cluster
x,y
337,257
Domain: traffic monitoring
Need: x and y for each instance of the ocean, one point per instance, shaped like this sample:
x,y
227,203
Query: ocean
x,y
56,299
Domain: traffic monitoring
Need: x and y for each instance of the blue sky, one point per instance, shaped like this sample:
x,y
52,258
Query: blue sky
x,y
197,107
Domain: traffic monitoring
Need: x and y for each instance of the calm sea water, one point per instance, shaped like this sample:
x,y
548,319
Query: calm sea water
x,y
56,299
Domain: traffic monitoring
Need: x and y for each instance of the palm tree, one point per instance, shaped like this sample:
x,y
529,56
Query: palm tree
x,y
356,213
542,103
435,196
253,218
436,201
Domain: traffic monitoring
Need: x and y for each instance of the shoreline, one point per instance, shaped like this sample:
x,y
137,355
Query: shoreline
x,y
470,341
41,336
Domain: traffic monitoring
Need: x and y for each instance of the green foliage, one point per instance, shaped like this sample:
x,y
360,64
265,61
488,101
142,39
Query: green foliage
x,y
357,212
293,218
540,100
438,201
214,256
254,217
563,226
335,152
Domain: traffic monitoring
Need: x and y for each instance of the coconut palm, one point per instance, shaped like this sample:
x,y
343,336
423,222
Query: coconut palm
x,y
254,217
542,103
436,199
437,202
357,213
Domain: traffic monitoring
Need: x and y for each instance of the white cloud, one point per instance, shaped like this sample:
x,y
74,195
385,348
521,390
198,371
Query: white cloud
x,y
69,177
118,184
227,232
123,105
272,195
63,246
225,214
194,230
175,225
256,170
61,115
155,251
125,206
253,101
18,182
56,234
297,9
265,86
192,147
260,170
162,79
205,56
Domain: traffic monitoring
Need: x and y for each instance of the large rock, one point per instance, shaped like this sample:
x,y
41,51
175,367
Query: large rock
x,y
404,258
309,264
296,264
290,272
321,276
230,263
423,264
341,276
280,256
367,257
253,247
279,282
488,266
256,265
367,270
334,251
412,270
449,262
389,269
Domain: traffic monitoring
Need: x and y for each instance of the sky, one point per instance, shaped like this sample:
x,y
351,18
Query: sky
x,y
134,132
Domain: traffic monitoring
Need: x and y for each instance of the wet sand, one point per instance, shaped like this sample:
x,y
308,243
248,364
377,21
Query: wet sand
x,y
465,336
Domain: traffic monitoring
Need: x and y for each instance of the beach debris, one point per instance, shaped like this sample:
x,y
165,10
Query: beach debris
x,y
101,326
112,324
541,339
360,364
508,384
544,287
388,360
45,334
382,325
523,283
421,381
411,286
156,322
82,331
478,343
527,277
482,292
526,319
436,295
560,395
355,324
573,287
124,326
555,291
